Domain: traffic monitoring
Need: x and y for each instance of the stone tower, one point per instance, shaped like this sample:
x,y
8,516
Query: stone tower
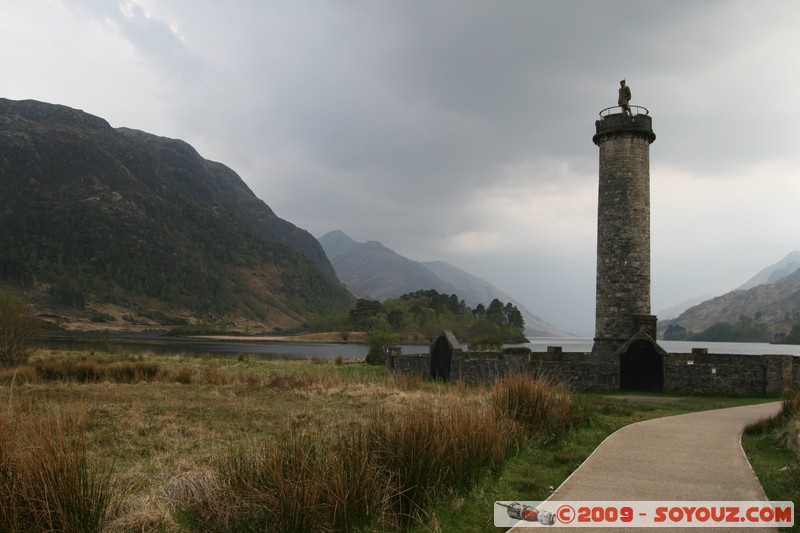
x,y
622,317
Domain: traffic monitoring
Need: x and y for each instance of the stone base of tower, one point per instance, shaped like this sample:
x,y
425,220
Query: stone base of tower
x,y
607,349
638,361
609,346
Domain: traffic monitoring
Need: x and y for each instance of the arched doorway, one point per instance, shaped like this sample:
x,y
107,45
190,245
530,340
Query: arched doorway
x,y
641,367
441,359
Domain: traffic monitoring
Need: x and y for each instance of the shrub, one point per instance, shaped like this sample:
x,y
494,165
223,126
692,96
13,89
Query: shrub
x,y
379,344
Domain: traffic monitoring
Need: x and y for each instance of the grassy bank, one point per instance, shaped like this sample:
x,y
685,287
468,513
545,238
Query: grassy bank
x,y
773,448
183,443
536,471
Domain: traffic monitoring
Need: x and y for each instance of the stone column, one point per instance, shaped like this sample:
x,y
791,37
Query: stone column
x,y
623,230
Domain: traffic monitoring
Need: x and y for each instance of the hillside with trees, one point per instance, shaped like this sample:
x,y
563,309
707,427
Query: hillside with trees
x,y
117,226
422,315
370,270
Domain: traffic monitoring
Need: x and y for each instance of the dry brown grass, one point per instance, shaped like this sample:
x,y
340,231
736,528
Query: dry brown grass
x,y
157,430
48,482
382,474
350,440
546,411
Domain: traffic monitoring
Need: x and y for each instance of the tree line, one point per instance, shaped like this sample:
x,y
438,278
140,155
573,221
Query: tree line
x,y
423,314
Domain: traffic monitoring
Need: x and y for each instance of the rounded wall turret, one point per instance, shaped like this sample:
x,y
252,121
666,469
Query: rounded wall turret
x,y
623,229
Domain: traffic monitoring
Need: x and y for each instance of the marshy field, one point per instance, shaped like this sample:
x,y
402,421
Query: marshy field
x,y
99,442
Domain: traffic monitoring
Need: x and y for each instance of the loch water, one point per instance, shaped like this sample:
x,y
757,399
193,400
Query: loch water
x,y
136,344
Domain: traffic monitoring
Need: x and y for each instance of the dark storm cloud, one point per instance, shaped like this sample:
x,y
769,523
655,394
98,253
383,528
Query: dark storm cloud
x,y
461,130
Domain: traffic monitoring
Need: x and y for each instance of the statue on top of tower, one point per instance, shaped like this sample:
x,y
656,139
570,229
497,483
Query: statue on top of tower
x,y
624,97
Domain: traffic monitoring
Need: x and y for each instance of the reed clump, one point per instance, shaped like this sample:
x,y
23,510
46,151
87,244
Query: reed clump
x,y
380,474
300,485
395,445
93,371
47,482
790,412
788,417
436,451
546,411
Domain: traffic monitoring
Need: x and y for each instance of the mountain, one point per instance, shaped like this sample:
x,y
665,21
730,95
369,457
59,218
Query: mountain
x,y
776,272
475,290
776,304
373,270
676,310
127,218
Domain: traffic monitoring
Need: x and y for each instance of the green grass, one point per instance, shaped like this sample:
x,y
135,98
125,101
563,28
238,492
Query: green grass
x,y
536,471
772,446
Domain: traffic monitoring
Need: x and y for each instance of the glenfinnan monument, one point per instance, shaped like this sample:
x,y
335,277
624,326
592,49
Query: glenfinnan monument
x,y
625,331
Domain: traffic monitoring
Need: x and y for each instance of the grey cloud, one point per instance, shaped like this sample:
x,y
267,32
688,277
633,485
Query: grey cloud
x,y
152,37
393,120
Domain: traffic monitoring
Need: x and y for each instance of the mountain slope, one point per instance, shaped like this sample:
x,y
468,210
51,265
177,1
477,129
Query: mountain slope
x,y
475,290
676,310
377,272
228,190
131,218
776,272
776,304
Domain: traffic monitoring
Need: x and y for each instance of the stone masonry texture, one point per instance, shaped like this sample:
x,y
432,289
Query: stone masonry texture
x,y
623,227
688,373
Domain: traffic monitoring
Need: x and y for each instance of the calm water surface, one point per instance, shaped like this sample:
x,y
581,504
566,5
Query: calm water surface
x,y
585,345
291,350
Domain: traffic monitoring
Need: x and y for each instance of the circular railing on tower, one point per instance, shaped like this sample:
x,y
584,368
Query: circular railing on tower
x,y
633,111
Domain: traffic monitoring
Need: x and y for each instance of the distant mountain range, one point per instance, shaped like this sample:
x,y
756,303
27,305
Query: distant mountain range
x,y
118,225
771,296
774,273
676,310
371,270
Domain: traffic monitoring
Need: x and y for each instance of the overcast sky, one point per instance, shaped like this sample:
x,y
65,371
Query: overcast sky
x,y
458,130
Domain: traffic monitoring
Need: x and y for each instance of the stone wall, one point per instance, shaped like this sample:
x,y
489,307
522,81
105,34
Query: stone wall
x,y
409,364
701,372
694,373
581,371
796,373
476,368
